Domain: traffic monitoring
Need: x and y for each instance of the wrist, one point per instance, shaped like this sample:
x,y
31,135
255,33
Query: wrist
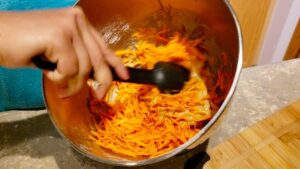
x,y
4,24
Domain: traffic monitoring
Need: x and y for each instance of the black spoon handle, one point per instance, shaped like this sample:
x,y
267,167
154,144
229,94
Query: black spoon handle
x,y
140,76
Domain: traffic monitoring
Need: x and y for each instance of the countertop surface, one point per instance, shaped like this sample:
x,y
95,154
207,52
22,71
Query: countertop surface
x,y
29,140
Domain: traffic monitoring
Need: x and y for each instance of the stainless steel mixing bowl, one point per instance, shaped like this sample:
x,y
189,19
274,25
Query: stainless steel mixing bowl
x,y
117,20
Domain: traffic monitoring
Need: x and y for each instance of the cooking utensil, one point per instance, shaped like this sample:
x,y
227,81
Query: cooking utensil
x,y
168,77
117,20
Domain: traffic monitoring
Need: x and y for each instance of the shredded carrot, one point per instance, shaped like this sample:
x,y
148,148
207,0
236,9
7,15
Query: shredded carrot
x,y
137,120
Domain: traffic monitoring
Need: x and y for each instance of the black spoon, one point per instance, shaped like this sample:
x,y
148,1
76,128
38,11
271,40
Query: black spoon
x,y
168,77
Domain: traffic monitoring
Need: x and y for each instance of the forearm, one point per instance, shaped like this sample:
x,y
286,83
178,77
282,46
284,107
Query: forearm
x,y
19,38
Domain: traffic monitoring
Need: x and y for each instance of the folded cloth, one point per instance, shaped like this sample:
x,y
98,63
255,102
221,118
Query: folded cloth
x,y
22,88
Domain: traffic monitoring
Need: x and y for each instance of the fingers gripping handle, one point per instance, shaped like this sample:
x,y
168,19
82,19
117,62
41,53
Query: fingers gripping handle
x,y
140,76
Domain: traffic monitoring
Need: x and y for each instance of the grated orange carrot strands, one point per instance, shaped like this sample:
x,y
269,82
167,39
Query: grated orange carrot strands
x,y
141,121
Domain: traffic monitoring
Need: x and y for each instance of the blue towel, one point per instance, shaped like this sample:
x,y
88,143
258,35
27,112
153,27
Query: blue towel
x,y
21,5
22,88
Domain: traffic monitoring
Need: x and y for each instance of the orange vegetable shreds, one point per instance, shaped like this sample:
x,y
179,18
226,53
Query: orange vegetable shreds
x,y
137,120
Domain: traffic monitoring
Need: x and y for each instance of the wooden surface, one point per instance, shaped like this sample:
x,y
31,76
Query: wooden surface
x,y
253,16
273,143
293,50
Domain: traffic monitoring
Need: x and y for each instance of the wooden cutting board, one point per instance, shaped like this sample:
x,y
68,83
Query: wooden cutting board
x,y
273,143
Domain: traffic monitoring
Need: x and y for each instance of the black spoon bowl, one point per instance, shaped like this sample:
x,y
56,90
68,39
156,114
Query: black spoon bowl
x,y
168,77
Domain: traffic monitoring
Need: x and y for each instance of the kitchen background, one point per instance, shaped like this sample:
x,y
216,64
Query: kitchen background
x,y
271,33
269,29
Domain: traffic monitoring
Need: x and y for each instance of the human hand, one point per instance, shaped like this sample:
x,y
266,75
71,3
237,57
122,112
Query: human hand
x,y
62,36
